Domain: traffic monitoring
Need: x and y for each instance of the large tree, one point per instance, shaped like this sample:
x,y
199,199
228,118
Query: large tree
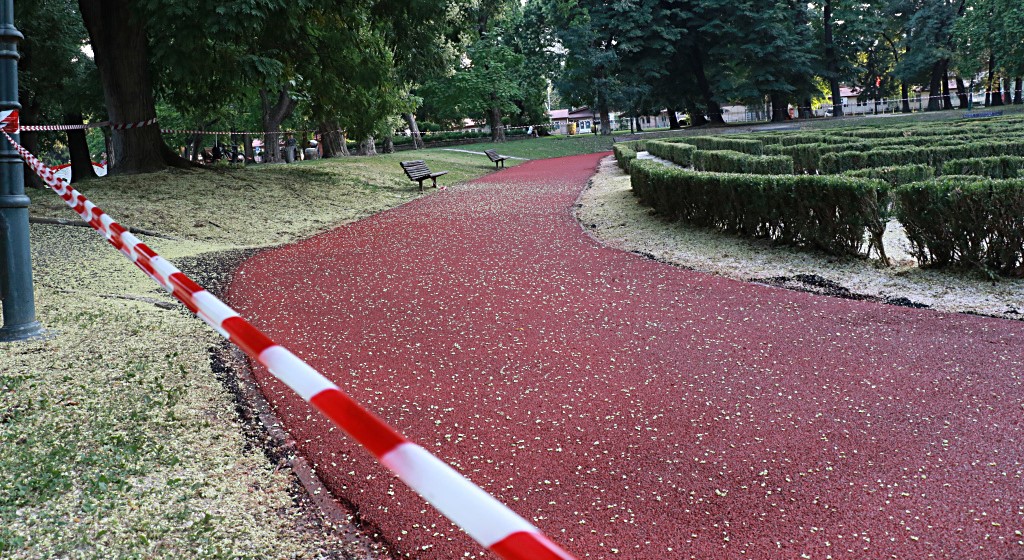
x,y
119,43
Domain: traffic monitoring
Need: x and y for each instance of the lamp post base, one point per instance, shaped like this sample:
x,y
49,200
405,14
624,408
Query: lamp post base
x,y
26,331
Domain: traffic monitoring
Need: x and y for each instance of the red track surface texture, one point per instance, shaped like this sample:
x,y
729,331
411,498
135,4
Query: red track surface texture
x,y
632,409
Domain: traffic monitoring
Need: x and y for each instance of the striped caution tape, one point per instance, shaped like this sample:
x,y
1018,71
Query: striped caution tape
x,y
125,126
486,520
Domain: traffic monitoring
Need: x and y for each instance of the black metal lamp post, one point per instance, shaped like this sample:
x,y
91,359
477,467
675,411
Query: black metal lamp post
x,y
19,310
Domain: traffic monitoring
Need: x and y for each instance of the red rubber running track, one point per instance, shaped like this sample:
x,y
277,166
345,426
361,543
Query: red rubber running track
x,y
632,409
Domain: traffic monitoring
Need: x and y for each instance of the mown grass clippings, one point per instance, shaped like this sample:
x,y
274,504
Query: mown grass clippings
x,y
118,439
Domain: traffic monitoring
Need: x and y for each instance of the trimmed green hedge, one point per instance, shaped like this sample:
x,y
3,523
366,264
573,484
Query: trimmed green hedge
x,y
752,147
965,223
676,152
999,167
828,213
624,155
934,156
725,161
898,175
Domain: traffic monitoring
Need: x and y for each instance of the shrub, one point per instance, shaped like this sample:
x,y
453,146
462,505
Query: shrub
x,y
813,138
935,156
726,161
677,153
753,147
827,213
1000,167
897,175
965,222
624,155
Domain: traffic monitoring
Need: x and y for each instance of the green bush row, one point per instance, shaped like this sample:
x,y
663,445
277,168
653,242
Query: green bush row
x,y
807,157
999,167
624,155
935,156
896,175
727,161
827,213
753,147
676,152
965,222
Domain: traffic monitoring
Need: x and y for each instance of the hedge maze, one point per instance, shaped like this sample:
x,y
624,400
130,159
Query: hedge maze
x,y
956,187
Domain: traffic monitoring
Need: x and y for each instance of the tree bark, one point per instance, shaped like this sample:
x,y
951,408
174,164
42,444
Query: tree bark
x,y
81,161
696,115
29,114
119,47
673,121
330,140
414,129
991,75
905,97
494,120
389,144
947,103
935,88
367,147
997,92
714,110
962,93
831,61
805,110
1018,91
249,153
779,109
274,113
603,112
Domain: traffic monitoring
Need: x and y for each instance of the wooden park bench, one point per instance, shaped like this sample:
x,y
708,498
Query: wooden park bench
x,y
493,156
418,171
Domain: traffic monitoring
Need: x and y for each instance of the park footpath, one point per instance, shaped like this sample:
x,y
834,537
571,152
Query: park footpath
x,y
633,409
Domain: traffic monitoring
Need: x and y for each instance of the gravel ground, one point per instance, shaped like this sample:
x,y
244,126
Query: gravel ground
x,y
610,212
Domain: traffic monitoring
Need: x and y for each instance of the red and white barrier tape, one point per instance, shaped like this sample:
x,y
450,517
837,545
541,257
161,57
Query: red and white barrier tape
x,y
485,519
124,126
62,127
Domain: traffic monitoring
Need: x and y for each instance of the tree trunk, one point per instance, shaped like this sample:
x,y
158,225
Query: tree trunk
x,y
696,115
273,115
805,110
29,114
494,120
119,47
905,97
673,121
367,147
961,93
333,142
81,161
1018,91
991,75
997,92
779,112
344,145
414,129
832,61
714,110
935,88
249,153
947,103
603,111
389,144
639,123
